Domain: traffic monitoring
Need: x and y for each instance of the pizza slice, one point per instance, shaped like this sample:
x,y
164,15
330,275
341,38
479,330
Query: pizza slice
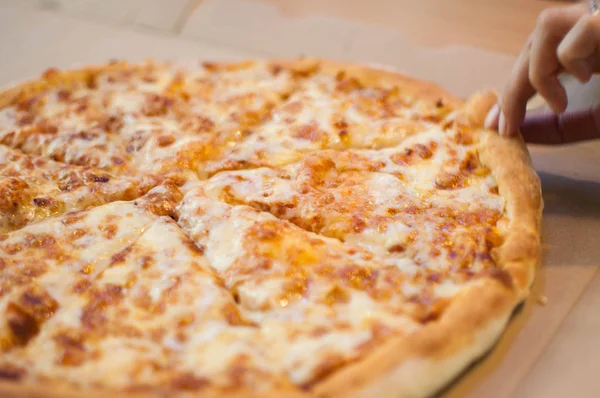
x,y
339,108
34,188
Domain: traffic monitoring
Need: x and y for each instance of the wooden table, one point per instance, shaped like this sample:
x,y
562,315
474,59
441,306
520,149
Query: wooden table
x,y
548,351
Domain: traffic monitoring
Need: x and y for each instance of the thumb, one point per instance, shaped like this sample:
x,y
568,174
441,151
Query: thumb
x,y
566,128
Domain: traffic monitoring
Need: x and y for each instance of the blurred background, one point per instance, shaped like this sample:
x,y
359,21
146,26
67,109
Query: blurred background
x,y
498,25
439,40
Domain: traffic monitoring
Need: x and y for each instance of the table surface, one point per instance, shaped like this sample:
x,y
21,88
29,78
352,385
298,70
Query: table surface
x,y
550,350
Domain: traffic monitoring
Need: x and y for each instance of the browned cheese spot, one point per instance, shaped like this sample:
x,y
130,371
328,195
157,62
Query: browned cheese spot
x,y
189,382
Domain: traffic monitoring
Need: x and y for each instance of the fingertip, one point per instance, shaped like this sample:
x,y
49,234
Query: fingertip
x,y
582,70
585,79
559,105
557,98
502,127
491,120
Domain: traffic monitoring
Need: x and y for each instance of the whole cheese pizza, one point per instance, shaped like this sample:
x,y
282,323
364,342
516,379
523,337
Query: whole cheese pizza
x,y
258,229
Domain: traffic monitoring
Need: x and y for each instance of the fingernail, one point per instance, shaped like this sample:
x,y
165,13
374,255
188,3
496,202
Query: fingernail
x,y
491,119
583,70
502,124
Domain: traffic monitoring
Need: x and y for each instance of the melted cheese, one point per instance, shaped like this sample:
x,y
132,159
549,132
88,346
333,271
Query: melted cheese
x,y
33,188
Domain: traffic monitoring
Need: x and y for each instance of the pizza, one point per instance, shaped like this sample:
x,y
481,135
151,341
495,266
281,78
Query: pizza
x,y
259,228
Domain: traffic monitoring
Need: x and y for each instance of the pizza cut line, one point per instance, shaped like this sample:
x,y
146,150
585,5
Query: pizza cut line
x,y
259,228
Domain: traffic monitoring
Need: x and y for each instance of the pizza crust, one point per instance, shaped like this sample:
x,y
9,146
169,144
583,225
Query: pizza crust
x,y
518,183
403,366
520,186
14,390
50,79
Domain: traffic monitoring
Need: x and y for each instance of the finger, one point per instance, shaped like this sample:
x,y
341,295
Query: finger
x,y
551,129
519,89
578,51
580,125
541,129
516,93
492,120
553,26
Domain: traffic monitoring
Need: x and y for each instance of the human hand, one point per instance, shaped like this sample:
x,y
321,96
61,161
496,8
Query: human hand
x,y
566,39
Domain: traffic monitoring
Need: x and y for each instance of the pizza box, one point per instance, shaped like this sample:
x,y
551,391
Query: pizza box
x,y
552,346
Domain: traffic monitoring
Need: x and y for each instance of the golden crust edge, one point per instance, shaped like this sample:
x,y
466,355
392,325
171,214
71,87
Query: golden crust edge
x,y
64,390
403,366
520,186
50,79
390,372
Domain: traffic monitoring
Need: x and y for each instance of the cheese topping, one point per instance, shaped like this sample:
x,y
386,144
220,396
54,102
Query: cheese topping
x,y
33,188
